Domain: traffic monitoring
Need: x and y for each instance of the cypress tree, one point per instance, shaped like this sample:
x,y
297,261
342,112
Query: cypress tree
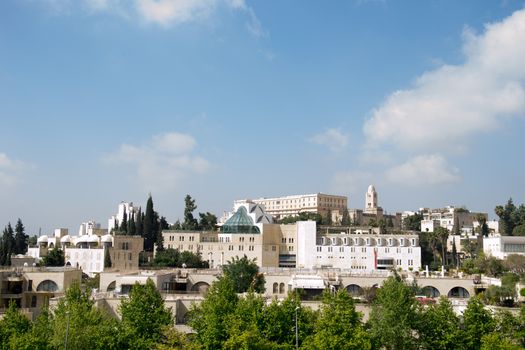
x,y
7,245
138,224
149,233
124,223
107,258
21,238
132,229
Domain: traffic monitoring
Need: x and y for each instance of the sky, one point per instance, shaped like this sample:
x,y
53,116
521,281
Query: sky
x,y
103,101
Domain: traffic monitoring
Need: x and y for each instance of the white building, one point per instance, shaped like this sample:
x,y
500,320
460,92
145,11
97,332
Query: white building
x,y
320,203
124,207
448,217
502,246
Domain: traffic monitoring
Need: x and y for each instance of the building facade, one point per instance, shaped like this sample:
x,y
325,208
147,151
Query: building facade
x,y
502,246
319,203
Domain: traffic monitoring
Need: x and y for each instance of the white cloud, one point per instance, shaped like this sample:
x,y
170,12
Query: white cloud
x,y
11,171
450,104
162,163
334,139
430,169
165,13
351,181
172,12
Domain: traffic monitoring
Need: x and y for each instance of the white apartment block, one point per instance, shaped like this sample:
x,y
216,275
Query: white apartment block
x,y
280,207
502,246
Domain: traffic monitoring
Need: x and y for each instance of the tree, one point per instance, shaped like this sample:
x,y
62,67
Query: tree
x,y
208,221
345,220
338,325
210,319
455,258
244,274
132,225
413,222
7,246
507,215
149,226
393,316
12,325
107,259
54,257
39,335
190,223
438,325
142,331
124,223
87,327
138,223
515,263
477,322
168,258
442,235
21,238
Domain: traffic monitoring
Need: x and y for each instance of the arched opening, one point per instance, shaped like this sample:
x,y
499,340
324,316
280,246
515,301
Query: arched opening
x,y
112,286
47,286
275,288
458,292
431,292
281,288
354,290
68,264
201,287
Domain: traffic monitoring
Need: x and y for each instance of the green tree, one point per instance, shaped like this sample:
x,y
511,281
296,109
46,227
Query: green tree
x,y
393,315
149,226
244,274
477,322
12,326
7,245
39,335
438,326
54,257
144,316
192,260
345,220
338,325
495,341
86,326
138,223
190,223
168,258
132,225
506,215
124,223
107,259
32,240
208,221
413,222
21,238
210,319
442,235
328,218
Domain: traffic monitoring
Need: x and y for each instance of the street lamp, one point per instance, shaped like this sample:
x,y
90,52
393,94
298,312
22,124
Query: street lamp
x,y
296,330
68,315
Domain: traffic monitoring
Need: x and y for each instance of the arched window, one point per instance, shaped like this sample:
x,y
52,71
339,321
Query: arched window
x,y
47,286
281,288
275,288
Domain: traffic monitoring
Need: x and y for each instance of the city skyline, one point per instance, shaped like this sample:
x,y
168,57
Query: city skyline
x,y
103,101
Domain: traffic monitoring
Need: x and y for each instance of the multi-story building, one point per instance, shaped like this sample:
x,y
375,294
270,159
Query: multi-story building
x,y
373,213
320,203
502,246
298,245
448,218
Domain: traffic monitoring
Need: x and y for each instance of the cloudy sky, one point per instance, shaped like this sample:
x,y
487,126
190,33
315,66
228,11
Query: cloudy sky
x,y
108,100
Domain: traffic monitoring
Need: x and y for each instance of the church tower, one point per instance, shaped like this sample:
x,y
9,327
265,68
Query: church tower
x,y
371,200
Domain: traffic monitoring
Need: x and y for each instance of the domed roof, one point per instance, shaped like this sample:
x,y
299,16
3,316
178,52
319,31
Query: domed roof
x,y
83,239
240,222
65,239
371,188
42,239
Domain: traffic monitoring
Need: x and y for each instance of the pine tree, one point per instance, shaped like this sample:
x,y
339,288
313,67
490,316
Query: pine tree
x,y
149,233
455,261
21,238
190,223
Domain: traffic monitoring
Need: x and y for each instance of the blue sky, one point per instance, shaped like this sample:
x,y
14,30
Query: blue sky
x,y
109,100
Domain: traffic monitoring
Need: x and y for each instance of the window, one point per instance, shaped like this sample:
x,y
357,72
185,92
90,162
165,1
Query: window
x,y
319,249
275,288
273,248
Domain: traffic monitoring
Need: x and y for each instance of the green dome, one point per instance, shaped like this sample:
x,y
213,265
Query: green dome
x,y
240,222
